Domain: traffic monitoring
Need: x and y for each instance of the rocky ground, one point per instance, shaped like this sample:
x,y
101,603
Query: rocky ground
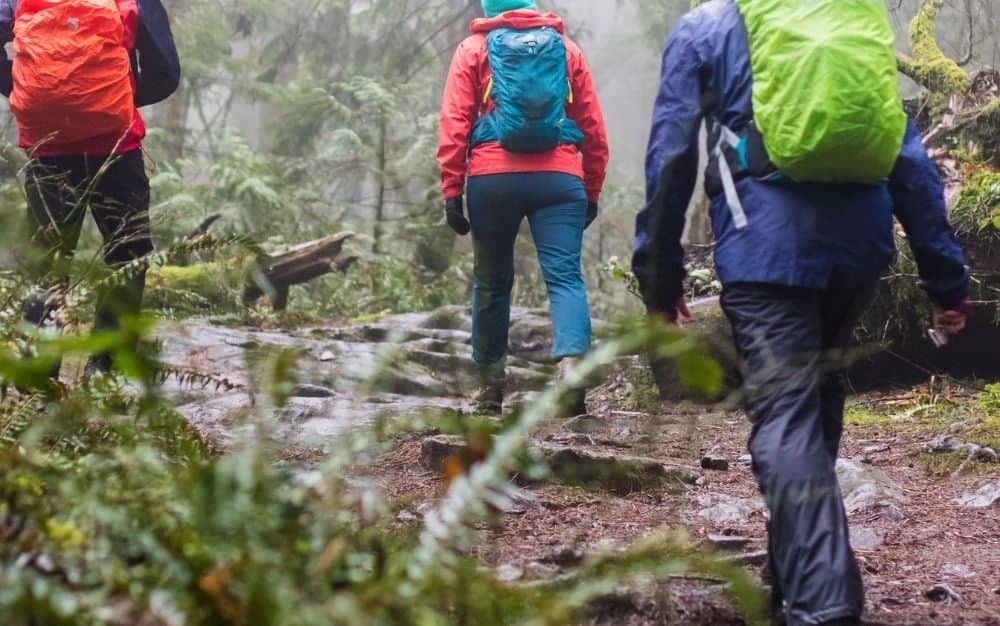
x,y
919,467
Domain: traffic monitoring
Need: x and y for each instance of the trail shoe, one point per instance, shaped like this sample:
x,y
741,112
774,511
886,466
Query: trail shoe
x,y
492,385
574,400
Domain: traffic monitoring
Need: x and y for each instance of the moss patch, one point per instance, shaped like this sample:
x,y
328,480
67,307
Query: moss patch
x,y
929,66
978,205
858,416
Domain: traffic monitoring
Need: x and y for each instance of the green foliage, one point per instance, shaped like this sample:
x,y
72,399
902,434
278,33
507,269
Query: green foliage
x,y
384,286
115,512
978,205
990,398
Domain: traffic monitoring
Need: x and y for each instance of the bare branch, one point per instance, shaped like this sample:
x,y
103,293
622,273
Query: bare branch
x,y
972,34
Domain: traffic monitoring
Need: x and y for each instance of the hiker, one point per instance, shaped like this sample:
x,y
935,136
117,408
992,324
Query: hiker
x,y
522,134
811,156
84,136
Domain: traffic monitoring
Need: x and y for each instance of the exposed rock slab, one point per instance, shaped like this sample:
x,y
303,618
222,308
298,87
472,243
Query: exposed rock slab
x,y
987,496
720,508
869,489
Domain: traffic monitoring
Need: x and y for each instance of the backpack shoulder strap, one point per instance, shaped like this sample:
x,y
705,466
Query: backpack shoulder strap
x,y
7,10
155,61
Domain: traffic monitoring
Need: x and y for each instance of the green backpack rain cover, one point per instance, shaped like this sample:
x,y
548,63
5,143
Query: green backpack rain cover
x,y
825,90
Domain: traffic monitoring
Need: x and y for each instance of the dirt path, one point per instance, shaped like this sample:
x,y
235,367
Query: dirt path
x,y
910,532
905,550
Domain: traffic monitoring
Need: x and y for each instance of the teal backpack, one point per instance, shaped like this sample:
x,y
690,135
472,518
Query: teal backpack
x,y
529,88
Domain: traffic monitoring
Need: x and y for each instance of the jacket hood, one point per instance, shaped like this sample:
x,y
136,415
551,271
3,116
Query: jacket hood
x,y
522,19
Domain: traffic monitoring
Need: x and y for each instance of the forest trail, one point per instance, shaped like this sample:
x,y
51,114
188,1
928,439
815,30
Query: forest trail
x,y
922,489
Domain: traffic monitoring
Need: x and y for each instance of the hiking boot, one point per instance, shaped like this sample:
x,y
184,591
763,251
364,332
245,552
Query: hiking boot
x,y
492,385
574,400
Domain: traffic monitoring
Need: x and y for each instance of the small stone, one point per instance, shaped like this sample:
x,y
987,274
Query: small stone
x,y
984,455
944,444
745,460
314,391
424,508
865,538
958,570
719,508
987,496
877,449
564,556
434,451
509,574
749,559
584,424
715,463
730,543
405,517
942,593
538,569
327,357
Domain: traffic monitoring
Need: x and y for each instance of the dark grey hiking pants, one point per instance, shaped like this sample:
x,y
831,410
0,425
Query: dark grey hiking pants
x,y
60,192
791,341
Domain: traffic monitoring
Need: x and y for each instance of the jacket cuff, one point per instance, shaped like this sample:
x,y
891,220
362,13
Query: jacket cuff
x,y
955,300
453,189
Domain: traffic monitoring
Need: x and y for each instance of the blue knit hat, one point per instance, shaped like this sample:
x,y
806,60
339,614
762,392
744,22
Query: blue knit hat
x,y
493,8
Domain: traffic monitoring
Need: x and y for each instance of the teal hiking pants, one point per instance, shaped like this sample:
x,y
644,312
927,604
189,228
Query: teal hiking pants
x,y
556,207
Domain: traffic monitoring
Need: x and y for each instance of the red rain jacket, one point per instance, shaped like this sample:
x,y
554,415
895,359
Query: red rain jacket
x,y
98,146
462,106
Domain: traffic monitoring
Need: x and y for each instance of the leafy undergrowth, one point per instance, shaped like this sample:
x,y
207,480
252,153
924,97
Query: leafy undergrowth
x,y
113,512
973,417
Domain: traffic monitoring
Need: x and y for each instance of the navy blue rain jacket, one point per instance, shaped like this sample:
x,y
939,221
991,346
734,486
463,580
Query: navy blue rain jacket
x,y
797,234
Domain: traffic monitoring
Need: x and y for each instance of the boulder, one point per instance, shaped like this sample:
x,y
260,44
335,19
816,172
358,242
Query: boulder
x,y
869,489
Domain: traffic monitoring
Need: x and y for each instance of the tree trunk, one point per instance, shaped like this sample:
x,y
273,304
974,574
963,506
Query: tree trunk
x,y
378,231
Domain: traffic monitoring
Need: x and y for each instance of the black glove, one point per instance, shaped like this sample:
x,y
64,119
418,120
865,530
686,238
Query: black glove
x,y
454,211
592,211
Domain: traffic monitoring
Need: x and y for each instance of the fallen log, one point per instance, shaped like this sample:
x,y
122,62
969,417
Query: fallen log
x,y
298,266
213,284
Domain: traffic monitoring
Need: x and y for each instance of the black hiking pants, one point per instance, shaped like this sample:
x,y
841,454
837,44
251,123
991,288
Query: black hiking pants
x,y
792,343
60,190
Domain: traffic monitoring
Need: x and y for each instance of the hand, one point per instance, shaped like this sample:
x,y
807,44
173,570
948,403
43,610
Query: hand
x,y
592,211
677,317
454,211
950,322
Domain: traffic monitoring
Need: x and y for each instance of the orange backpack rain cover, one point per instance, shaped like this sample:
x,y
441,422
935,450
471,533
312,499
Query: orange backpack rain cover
x,y
72,73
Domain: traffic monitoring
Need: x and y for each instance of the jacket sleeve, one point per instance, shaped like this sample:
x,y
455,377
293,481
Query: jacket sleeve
x,y
671,172
585,110
458,113
6,36
919,204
